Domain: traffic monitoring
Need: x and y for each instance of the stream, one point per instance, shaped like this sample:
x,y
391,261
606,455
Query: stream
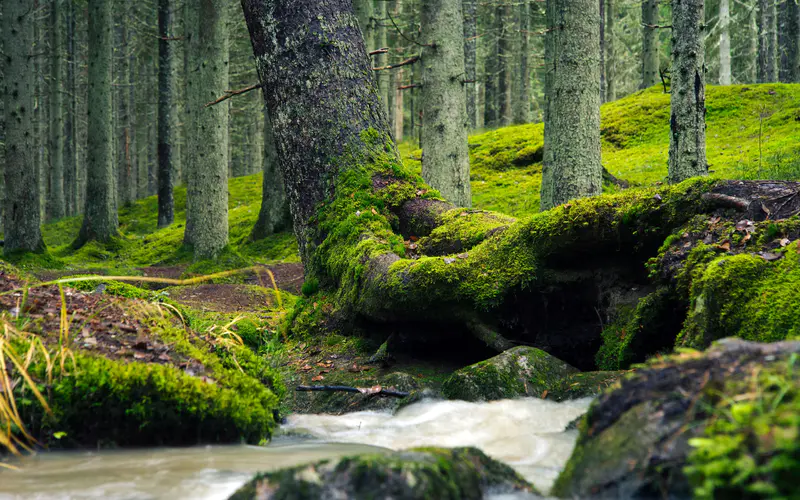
x,y
528,434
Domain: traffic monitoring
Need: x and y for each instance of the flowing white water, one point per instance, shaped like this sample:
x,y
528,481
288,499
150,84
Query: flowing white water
x,y
528,434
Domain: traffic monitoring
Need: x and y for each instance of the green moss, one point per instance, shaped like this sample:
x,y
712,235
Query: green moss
x,y
751,447
745,296
109,403
228,259
310,287
30,260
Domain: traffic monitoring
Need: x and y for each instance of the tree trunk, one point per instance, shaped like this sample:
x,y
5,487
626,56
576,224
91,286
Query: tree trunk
x,y
505,54
611,55
445,156
471,60
56,208
573,125
365,12
381,35
788,40
687,147
602,50
796,42
274,215
724,42
207,187
492,73
650,64
167,114
22,217
192,107
70,133
100,216
522,110
126,174
767,42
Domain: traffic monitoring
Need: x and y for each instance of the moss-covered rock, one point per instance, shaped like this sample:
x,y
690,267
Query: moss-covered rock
x,y
719,424
521,371
583,385
424,473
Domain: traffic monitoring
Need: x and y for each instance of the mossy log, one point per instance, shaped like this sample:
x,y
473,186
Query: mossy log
x,y
385,252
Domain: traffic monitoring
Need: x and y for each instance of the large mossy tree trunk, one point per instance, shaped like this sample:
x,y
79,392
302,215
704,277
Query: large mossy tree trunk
x,y
573,168
445,156
207,186
167,113
274,215
687,146
22,218
470,274
650,64
100,217
56,202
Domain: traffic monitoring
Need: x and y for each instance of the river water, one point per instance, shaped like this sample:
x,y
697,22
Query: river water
x,y
528,434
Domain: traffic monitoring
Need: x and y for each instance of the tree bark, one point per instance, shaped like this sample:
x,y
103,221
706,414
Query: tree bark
x,y
724,42
126,173
602,50
191,69
767,42
274,215
22,217
56,203
167,114
505,54
492,73
611,55
380,31
100,216
471,60
650,64
573,124
207,187
788,35
522,110
365,13
445,156
70,133
687,148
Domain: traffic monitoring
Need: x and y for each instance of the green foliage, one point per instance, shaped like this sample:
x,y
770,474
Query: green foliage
x,y
310,287
751,446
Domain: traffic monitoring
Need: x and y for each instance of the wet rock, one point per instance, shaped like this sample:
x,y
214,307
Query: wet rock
x,y
343,402
583,385
716,424
424,473
521,371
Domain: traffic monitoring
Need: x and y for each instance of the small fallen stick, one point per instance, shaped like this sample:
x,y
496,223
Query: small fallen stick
x,y
370,391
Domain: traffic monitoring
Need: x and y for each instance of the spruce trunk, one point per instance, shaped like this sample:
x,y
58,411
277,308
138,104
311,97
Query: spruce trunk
x,y
687,148
650,65
274,215
724,42
166,114
100,216
471,59
56,203
208,182
22,218
574,169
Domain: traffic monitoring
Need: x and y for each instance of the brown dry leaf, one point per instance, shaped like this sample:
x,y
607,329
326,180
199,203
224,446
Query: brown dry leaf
x,y
354,368
139,355
770,257
746,238
413,246
90,341
324,371
374,212
376,389
726,245
306,368
462,255
317,378
714,220
463,214
413,238
164,357
544,394
785,242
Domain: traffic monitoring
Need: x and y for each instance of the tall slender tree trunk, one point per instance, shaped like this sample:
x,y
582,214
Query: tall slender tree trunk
x,y
788,40
70,134
752,48
724,42
100,216
795,9
380,30
471,60
167,114
602,50
365,13
551,25
309,147
274,215
192,107
687,147
505,53
573,125
125,169
22,218
492,73
767,42
650,64
57,205
208,180
445,156
611,54
522,110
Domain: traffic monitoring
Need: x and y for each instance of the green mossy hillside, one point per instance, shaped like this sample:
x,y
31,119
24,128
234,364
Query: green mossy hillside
x,y
753,133
142,244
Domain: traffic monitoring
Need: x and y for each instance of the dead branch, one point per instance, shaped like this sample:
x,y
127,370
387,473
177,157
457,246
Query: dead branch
x,y
727,201
232,93
406,87
379,52
369,391
410,60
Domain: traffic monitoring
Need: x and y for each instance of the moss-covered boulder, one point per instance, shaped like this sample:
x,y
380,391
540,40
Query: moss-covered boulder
x,y
424,473
521,371
719,424
583,385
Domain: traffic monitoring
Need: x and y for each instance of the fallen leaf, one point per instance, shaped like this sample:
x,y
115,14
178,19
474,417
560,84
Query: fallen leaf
x,y
726,245
317,378
463,214
544,394
746,226
371,390
90,341
164,357
714,220
449,260
746,238
139,355
462,255
413,238
374,212
354,368
770,257
413,246
785,242
306,368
